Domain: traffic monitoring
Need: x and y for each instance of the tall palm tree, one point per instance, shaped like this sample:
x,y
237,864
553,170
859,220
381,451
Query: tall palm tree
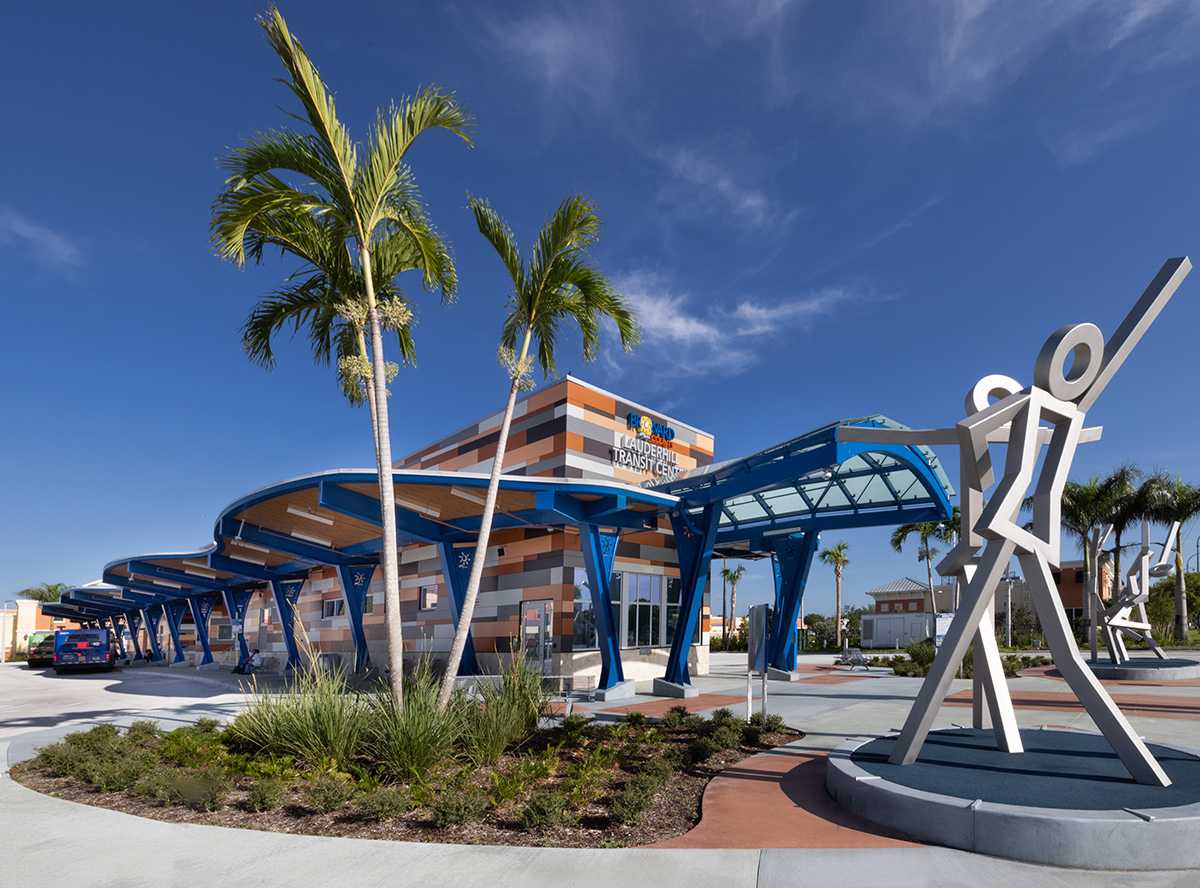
x,y
355,223
838,557
1180,502
47,593
1086,509
925,531
732,577
556,286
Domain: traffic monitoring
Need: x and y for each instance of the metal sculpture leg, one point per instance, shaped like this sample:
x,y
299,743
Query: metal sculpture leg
x,y
1080,678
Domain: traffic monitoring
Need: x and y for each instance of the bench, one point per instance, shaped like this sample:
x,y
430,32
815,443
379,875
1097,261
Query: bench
x,y
852,657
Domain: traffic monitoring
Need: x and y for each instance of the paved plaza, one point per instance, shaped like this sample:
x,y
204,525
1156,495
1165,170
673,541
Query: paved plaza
x,y
766,822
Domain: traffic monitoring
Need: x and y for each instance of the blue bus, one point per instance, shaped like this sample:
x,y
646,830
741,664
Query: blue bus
x,y
84,649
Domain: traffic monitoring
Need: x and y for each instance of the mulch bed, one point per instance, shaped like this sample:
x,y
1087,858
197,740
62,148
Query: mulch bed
x,y
674,810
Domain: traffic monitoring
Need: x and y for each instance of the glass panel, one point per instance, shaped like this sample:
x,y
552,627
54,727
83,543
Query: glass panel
x,y
655,589
631,626
745,509
674,587
583,635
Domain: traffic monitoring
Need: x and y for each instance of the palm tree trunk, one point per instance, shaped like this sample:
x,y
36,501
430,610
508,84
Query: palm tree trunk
x,y
837,577
733,607
1181,624
393,623
485,531
724,612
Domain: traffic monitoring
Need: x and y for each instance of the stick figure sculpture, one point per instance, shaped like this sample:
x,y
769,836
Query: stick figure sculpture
x,y
1117,620
991,535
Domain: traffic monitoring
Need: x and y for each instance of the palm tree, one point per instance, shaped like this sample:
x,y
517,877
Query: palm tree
x,y
925,531
1180,502
1127,505
724,601
355,223
838,557
1086,509
47,593
558,285
732,577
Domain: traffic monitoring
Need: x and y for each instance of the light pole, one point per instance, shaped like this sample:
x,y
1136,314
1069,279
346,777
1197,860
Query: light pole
x,y
1009,578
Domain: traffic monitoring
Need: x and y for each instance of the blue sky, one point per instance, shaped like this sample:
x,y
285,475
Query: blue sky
x,y
821,210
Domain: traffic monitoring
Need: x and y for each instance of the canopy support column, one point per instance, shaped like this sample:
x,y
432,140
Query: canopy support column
x,y
115,622
793,558
174,611
694,540
599,555
287,593
133,619
355,580
456,571
236,602
202,608
152,615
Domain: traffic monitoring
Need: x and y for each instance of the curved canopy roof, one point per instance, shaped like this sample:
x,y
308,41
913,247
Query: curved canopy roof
x,y
816,481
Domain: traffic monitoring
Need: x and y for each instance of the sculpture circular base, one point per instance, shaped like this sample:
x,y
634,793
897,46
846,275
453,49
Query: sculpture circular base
x,y
1146,669
1066,801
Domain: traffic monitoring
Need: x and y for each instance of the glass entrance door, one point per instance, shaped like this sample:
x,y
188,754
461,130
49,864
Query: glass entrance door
x,y
537,642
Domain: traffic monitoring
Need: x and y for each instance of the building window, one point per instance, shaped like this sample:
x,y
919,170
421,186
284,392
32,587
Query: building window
x,y
885,607
912,605
428,598
1079,577
645,611
333,608
583,622
225,633
369,604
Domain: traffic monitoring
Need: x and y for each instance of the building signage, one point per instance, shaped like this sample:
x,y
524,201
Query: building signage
x,y
640,455
648,428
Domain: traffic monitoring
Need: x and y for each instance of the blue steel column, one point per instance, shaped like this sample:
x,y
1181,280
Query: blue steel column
x,y
174,612
202,608
287,593
456,571
152,615
115,622
599,554
694,541
794,558
789,654
133,620
236,602
355,580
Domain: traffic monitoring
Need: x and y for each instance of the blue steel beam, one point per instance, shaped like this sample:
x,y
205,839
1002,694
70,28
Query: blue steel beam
x,y
365,508
183,578
456,571
134,619
236,602
694,538
794,559
152,615
280,542
174,611
886,517
599,554
355,580
245,569
287,593
202,608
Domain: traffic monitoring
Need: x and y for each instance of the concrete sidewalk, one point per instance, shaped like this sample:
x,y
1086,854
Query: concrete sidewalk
x,y
775,800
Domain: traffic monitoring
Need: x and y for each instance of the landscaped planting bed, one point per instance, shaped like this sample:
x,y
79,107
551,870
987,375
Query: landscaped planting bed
x,y
326,760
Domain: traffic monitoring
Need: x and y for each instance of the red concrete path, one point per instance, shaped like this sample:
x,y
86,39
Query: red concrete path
x,y
1140,705
699,703
778,800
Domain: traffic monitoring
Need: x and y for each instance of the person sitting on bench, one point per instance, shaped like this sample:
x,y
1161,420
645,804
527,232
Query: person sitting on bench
x,y
247,666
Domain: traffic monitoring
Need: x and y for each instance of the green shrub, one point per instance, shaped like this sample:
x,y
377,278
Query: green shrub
x,y
674,716
752,734
143,733
702,749
635,719
327,792
635,797
676,758
193,746
282,767
723,716
101,756
756,718
658,770
574,726
266,794
454,806
727,737
411,742
544,809
201,789
384,803
773,723
697,724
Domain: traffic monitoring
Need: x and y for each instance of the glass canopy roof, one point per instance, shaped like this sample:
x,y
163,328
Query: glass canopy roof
x,y
815,479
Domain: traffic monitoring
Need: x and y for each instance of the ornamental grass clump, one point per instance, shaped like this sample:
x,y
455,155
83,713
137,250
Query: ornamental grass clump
x,y
321,718
410,743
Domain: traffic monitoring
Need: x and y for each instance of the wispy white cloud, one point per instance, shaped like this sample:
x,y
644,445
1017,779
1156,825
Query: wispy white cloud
x,y
702,185
721,339
573,50
48,247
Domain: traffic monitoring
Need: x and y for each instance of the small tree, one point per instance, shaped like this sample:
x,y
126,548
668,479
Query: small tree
x,y
838,557
732,577
47,593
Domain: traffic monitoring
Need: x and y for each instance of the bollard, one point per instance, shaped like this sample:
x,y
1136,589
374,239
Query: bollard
x,y
764,696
